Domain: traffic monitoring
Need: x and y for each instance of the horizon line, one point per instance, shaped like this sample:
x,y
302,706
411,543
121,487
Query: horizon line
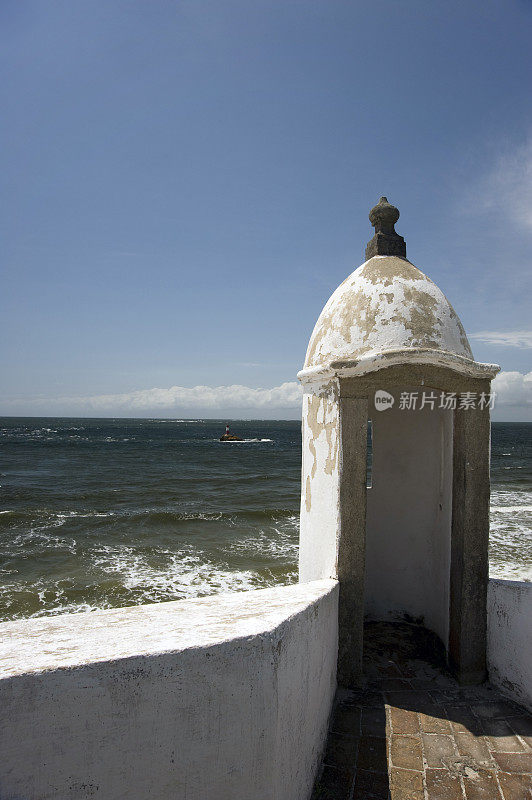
x,y
201,419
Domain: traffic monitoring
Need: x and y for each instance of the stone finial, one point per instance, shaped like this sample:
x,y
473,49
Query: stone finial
x,y
386,241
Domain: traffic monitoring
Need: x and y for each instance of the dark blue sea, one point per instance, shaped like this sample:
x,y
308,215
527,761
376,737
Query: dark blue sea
x,y
97,513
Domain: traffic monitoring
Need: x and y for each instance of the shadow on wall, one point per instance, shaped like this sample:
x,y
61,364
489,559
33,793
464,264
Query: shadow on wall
x,y
412,726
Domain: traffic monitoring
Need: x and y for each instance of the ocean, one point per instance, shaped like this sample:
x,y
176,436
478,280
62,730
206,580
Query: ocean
x,y
99,513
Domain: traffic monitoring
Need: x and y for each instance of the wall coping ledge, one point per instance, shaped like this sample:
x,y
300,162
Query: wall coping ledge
x,y
373,362
512,583
67,641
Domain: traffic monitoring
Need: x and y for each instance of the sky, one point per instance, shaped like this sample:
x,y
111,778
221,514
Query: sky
x,y
185,183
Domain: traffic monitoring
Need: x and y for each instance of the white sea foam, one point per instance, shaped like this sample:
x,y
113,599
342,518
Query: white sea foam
x,y
243,441
163,421
182,574
68,608
36,540
510,509
511,571
510,534
504,498
85,514
280,547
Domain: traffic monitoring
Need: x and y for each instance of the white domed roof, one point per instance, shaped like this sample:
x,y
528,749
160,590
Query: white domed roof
x,y
387,311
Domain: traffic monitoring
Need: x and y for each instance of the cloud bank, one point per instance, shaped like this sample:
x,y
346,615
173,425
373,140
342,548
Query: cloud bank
x,y
208,400
522,339
513,390
204,398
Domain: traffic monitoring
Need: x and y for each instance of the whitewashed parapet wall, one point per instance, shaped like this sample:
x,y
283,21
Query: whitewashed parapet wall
x,y
510,638
221,698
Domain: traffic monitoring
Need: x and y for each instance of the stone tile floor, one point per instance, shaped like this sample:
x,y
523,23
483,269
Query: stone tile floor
x,y
413,733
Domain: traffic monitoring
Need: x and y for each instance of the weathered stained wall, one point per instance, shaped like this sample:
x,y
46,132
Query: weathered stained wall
x,y
385,304
408,522
223,698
319,483
510,638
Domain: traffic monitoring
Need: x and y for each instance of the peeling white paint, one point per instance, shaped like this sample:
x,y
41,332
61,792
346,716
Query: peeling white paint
x,y
319,518
388,312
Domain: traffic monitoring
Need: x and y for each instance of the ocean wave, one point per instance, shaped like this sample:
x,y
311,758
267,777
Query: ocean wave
x,y
42,516
85,515
36,541
183,574
510,536
240,514
42,519
33,600
24,432
511,571
504,498
72,607
277,543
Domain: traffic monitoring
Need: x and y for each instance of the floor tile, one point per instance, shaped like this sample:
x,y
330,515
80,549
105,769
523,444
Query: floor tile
x,y
515,787
334,784
437,749
373,722
442,785
464,721
406,752
474,748
372,754
370,785
430,724
494,710
481,786
514,762
406,779
341,751
426,737
404,721
501,737
346,720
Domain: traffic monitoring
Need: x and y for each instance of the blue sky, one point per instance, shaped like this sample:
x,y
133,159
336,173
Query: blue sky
x,y
186,183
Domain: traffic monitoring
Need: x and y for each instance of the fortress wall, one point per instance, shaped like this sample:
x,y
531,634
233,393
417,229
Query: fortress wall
x,y
510,638
220,698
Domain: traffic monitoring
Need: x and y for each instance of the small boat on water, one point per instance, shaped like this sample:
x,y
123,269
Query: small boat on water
x,y
229,437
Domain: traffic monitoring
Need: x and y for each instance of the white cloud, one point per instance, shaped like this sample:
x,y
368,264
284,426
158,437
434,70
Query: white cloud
x,y
198,398
513,389
521,339
507,187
